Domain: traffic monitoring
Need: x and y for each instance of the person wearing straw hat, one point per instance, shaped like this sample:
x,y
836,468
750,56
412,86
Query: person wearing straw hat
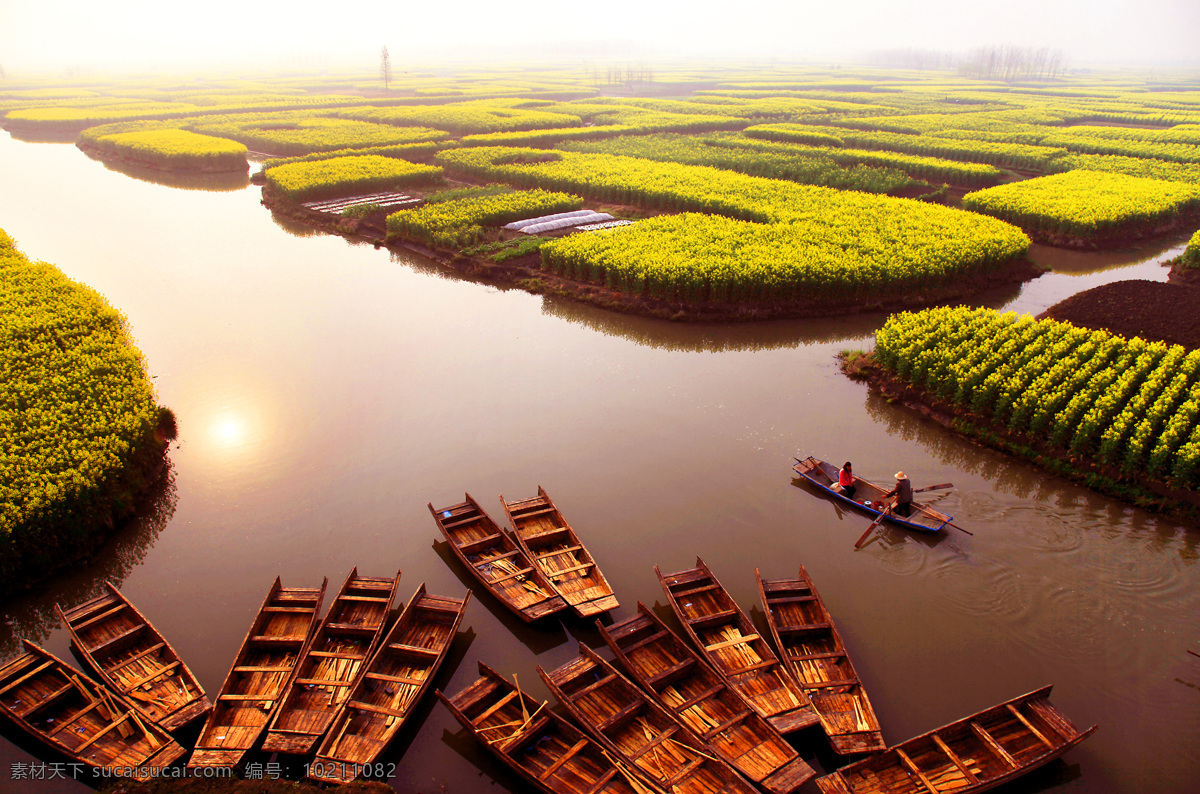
x,y
903,493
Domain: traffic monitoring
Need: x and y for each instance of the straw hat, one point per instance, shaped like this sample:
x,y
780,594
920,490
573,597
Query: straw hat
x,y
901,475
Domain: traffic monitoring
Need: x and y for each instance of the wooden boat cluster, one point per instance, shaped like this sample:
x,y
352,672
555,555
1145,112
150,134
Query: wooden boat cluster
x,y
537,744
294,673
667,716
80,717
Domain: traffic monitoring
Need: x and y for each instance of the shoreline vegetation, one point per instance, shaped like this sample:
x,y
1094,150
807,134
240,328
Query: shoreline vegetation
x,y
1116,414
82,439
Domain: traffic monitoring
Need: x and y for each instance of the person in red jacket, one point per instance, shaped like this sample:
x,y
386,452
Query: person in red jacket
x,y
903,493
846,481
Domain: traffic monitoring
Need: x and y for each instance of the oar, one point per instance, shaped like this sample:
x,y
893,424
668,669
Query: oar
x,y
871,528
960,529
934,487
1193,653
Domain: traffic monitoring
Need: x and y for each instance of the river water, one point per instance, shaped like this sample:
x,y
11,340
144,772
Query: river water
x,y
327,391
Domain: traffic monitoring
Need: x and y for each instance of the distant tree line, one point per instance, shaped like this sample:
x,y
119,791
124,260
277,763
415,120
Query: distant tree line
x,y
984,63
616,75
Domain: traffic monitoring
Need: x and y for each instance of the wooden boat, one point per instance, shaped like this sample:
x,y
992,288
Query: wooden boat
x,y
814,653
132,657
978,753
396,678
497,561
681,681
868,498
537,744
332,663
625,721
743,658
260,674
82,718
548,540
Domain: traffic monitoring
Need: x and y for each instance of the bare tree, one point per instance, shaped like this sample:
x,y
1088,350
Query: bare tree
x,y
385,67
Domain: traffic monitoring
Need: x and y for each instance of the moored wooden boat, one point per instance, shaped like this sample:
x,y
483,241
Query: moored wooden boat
x,y
813,651
132,657
332,663
536,743
973,754
397,676
260,673
680,680
743,658
868,497
82,718
497,561
550,542
624,720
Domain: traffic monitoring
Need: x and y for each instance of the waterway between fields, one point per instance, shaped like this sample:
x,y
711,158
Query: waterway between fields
x,y
327,391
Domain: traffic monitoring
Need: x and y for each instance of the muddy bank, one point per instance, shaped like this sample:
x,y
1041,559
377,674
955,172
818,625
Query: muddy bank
x,y
71,532
1135,489
1149,309
526,273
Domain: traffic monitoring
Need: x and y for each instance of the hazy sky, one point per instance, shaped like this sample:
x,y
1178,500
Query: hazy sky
x,y
38,35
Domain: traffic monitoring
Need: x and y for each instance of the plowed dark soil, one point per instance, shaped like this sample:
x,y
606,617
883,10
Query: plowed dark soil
x,y
1149,309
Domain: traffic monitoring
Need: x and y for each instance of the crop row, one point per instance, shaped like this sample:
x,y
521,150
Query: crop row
x,y
76,405
1191,254
459,222
344,176
1086,204
464,118
1007,155
930,169
316,134
1122,402
813,169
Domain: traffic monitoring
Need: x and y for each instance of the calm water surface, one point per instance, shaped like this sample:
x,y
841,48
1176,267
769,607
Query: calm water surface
x,y
327,391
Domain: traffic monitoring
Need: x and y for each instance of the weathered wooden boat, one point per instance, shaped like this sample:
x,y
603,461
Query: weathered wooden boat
x,y
497,561
537,744
82,718
977,753
868,497
550,542
260,674
132,657
397,676
332,663
682,682
743,658
634,728
814,652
